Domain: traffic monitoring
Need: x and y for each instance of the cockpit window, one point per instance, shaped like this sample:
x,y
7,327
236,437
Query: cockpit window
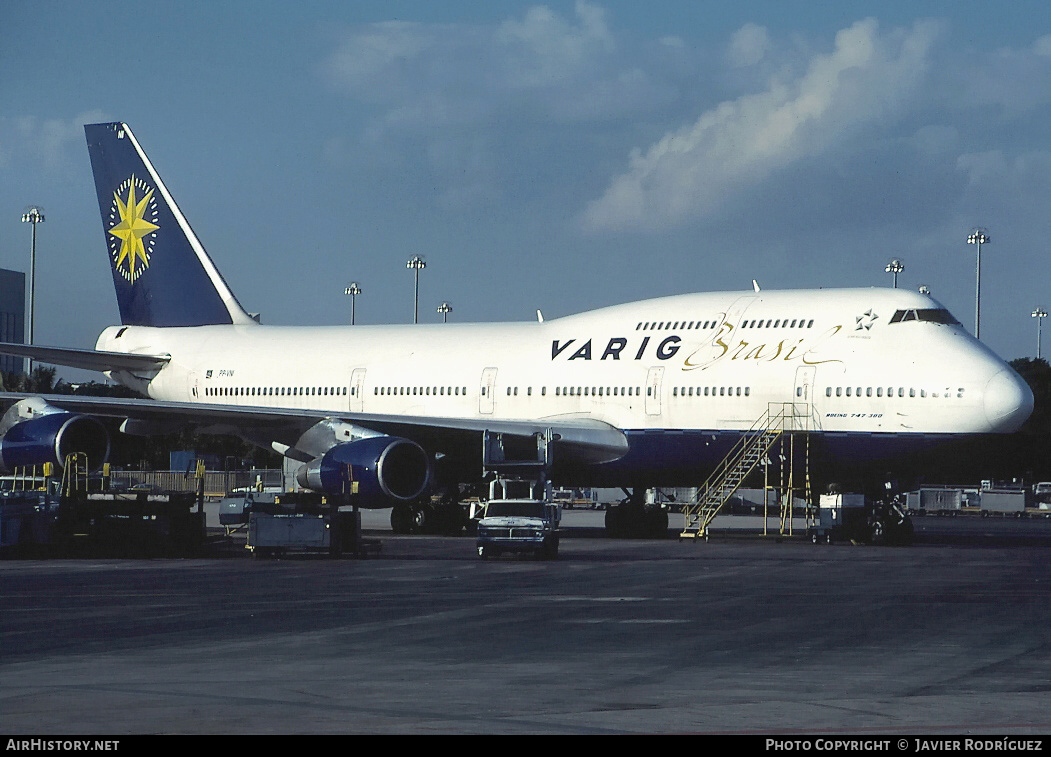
x,y
930,315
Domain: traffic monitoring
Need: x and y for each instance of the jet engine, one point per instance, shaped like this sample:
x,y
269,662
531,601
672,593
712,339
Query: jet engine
x,y
32,432
387,469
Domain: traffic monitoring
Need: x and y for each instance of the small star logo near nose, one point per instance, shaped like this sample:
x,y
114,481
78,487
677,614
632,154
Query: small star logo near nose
x,y
865,320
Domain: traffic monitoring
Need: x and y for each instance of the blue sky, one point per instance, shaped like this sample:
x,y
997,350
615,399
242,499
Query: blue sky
x,y
559,156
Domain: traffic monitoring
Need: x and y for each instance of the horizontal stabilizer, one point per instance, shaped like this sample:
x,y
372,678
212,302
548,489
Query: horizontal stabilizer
x,y
89,360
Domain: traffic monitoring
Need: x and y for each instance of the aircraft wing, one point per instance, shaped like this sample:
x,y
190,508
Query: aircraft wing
x,y
91,360
585,440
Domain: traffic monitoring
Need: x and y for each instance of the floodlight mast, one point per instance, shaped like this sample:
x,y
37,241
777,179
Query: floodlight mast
x,y
416,263
445,308
33,214
353,289
978,237
1040,314
894,267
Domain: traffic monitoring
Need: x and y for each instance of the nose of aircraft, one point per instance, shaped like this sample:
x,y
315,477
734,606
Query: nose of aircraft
x,y
1008,401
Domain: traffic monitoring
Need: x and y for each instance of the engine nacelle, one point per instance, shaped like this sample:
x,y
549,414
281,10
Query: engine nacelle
x,y
33,432
387,469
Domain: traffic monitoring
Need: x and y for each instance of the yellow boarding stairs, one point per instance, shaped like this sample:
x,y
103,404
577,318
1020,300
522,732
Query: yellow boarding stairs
x,y
742,459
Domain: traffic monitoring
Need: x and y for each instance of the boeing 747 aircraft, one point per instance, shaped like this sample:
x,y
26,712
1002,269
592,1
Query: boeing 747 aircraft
x,y
645,394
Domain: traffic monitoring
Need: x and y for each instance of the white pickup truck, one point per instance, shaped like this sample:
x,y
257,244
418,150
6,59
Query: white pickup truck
x,y
525,523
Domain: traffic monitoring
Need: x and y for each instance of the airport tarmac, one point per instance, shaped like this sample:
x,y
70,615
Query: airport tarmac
x,y
739,635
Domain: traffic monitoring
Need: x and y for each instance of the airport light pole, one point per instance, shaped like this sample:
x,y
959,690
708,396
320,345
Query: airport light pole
x,y
33,214
354,289
894,267
445,308
1040,314
416,263
978,237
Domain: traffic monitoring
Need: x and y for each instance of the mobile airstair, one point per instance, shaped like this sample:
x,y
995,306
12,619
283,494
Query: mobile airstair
x,y
752,450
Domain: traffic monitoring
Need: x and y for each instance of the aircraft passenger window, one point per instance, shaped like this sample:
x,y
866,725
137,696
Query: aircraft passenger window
x,y
828,391
912,392
649,391
738,391
858,393
901,391
848,391
839,391
675,391
810,323
722,391
879,391
747,391
868,391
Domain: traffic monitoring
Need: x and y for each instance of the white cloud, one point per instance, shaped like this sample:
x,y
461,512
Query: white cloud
x,y
544,48
867,79
460,90
748,45
46,140
426,74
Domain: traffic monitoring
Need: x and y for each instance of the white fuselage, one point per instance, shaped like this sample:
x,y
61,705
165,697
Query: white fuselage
x,y
699,361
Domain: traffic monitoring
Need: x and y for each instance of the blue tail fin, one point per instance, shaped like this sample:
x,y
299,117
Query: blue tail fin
x,y
161,272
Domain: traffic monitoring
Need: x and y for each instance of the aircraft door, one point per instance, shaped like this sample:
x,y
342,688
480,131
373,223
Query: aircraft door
x,y
487,392
356,400
803,394
654,378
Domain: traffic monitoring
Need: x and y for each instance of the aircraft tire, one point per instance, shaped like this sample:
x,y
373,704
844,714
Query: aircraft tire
x,y
401,517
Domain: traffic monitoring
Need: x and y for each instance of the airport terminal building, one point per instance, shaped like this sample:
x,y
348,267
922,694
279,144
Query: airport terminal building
x,y
12,316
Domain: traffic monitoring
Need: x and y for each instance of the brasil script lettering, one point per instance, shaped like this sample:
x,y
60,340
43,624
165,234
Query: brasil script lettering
x,y
721,347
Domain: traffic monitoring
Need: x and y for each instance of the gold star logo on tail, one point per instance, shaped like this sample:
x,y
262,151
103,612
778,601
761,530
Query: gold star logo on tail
x,y
133,231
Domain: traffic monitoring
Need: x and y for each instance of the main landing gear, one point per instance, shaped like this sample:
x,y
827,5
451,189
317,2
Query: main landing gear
x,y
633,517
443,514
